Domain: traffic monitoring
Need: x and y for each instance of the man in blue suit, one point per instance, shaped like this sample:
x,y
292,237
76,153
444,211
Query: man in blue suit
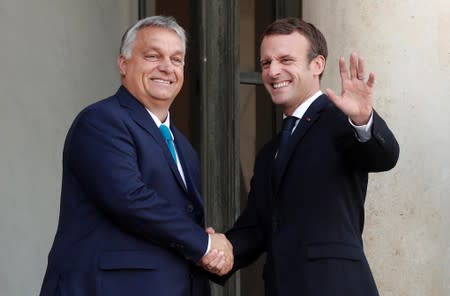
x,y
306,204
131,216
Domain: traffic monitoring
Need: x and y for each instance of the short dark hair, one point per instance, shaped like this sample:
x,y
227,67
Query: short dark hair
x,y
286,26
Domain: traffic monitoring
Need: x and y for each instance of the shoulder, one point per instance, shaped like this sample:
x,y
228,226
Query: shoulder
x,y
333,114
104,115
107,109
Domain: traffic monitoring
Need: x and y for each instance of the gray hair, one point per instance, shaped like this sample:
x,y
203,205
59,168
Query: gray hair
x,y
166,22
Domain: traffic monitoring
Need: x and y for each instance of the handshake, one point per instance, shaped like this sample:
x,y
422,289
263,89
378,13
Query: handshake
x,y
219,259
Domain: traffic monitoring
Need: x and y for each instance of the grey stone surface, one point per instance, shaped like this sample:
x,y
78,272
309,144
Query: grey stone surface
x,y
57,57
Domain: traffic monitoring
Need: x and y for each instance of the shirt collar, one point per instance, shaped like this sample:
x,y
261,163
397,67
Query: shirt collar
x,y
158,122
300,111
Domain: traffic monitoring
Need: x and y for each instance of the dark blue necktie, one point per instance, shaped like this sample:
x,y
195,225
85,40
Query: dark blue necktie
x,y
286,131
283,141
169,141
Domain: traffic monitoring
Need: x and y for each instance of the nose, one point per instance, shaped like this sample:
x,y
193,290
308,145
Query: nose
x,y
165,65
274,69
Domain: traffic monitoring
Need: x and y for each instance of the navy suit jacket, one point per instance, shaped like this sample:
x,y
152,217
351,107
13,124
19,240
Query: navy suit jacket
x,y
309,219
128,225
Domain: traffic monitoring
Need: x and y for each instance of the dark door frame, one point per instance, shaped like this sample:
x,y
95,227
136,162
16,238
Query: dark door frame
x,y
219,81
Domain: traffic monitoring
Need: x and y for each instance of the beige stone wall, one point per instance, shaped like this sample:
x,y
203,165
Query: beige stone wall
x,y
407,45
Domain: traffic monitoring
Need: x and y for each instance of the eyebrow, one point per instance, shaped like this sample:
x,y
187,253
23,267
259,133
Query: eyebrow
x,y
277,58
157,48
285,56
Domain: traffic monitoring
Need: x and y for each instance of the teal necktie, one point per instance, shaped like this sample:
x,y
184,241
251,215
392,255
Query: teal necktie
x,y
168,138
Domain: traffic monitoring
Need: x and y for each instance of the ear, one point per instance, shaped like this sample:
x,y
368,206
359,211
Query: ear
x,y
122,64
318,65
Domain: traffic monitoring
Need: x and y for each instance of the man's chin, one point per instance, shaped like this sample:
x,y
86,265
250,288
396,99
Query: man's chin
x,y
278,100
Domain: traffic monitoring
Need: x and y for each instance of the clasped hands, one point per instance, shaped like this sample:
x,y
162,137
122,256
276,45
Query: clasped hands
x,y
219,259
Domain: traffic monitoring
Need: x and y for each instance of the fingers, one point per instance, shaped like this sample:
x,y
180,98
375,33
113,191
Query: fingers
x,y
360,69
221,265
210,257
220,242
342,69
357,68
220,259
355,98
216,262
334,98
331,94
353,65
224,267
371,81
216,265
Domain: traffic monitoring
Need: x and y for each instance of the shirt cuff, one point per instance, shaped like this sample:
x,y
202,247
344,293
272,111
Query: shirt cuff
x,y
363,132
209,245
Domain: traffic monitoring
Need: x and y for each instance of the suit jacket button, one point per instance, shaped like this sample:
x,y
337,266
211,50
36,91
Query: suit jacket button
x,y
189,208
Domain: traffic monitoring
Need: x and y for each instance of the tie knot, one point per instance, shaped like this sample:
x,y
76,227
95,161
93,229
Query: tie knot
x,y
288,123
165,132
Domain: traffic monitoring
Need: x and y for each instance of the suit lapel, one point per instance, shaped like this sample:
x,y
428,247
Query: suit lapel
x,y
309,118
141,116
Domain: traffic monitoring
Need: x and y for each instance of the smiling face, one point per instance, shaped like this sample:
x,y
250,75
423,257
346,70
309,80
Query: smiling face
x,y
287,74
154,72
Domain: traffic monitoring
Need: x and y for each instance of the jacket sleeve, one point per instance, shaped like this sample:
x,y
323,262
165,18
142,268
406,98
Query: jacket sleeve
x,y
380,153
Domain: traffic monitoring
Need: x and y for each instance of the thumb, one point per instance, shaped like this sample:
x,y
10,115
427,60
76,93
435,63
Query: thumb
x,y
210,230
332,95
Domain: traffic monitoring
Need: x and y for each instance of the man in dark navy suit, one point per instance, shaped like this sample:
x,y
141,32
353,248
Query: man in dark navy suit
x,y
131,215
306,204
